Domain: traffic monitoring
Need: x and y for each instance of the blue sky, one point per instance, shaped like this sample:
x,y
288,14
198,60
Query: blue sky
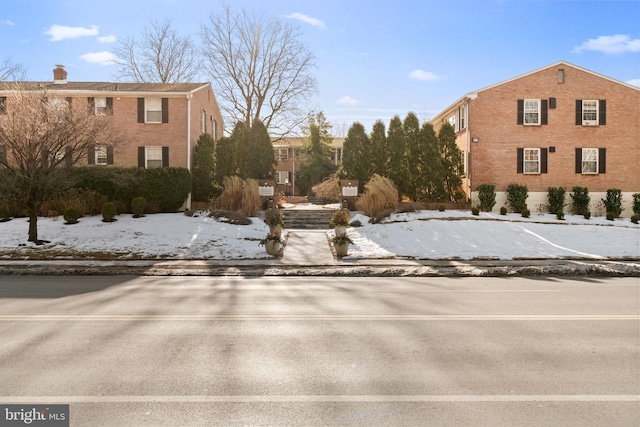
x,y
375,58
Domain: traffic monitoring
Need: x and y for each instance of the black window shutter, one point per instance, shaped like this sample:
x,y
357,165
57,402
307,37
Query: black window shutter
x,y
141,157
579,112
91,105
602,160
544,156
109,155
68,156
578,160
552,103
520,157
165,110
165,157
109,105
602,106
92,154
141,110
520,112
544,117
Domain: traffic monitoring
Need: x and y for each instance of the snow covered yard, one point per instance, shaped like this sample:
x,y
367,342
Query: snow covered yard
x,y
419,235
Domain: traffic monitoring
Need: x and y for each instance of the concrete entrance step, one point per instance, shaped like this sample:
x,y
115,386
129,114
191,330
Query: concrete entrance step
x,y
307,219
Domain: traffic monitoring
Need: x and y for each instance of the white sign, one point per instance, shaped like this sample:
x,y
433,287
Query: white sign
x,y
350,191
265,191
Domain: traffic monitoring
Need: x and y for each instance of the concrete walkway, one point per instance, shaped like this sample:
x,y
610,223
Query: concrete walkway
x,y
308,247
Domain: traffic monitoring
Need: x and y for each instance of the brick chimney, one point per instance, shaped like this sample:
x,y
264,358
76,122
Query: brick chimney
x,y
59,75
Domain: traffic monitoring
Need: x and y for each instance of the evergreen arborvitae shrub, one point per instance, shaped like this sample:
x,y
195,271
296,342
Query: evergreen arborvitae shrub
x,y
613,202
137,206
109,212
636,204
487,196
587,214
526,213
517,197
71,216
556,197
503,210
5,213
581,200
475,210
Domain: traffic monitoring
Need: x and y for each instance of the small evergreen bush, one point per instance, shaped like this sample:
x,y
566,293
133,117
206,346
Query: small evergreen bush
x,y
109,212
137,206
503,210
581,200
526,213
635,218
517,197
556,197
636,204
613,202
487,196
587,214
475,210
611,216
441,208
560,214
71,216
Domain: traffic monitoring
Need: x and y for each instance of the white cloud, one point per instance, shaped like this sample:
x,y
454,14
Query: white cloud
x,y
616,44
62,32
107,39
634,82
100,58
424,75
347,100
8,22
307,19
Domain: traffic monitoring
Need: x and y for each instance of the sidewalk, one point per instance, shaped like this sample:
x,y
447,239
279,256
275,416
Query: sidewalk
x,y
308,247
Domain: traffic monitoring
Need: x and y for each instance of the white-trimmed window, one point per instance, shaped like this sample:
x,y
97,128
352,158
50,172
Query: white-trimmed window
x,y
153,110
101,106
531,161
203,121
531,112
101,155
282,177
283,153
153,157
590,160
589,112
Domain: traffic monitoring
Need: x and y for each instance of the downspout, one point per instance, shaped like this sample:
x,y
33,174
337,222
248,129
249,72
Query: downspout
x,y
189,96
468,142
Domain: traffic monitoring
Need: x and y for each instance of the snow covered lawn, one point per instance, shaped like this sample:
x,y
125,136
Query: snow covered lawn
x,y
420,235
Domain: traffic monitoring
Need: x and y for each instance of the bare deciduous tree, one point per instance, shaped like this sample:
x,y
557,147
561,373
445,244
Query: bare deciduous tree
x,y
260,68
10,71
161,56
41,136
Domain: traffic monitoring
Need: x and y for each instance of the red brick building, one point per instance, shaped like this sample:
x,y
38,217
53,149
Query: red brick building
x,y
560,125
161,122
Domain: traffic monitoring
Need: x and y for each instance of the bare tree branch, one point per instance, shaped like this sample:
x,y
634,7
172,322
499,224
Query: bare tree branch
x,y
10,71
39,139
160,57
260,68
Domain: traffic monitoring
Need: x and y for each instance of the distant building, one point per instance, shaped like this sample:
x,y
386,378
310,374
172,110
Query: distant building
x,y
290,160
558,126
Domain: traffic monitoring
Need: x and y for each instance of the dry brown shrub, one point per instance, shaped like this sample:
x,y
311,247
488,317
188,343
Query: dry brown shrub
x,y
328,189
86,202
231,197
251,202
379,195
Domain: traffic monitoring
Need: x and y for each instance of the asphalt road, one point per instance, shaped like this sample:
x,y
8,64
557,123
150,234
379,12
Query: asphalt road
x,y
155,351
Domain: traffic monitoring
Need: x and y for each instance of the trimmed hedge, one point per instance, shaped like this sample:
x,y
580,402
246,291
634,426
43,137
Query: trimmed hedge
x,y
168,188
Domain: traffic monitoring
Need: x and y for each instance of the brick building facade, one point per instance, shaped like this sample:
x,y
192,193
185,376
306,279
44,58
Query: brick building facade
x,y
560,125
161,122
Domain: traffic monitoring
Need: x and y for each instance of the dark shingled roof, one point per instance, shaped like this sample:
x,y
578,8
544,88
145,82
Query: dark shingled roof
x,y
103,86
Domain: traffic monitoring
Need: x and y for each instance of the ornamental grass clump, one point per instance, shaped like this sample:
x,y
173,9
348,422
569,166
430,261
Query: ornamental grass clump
x,y
380,195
